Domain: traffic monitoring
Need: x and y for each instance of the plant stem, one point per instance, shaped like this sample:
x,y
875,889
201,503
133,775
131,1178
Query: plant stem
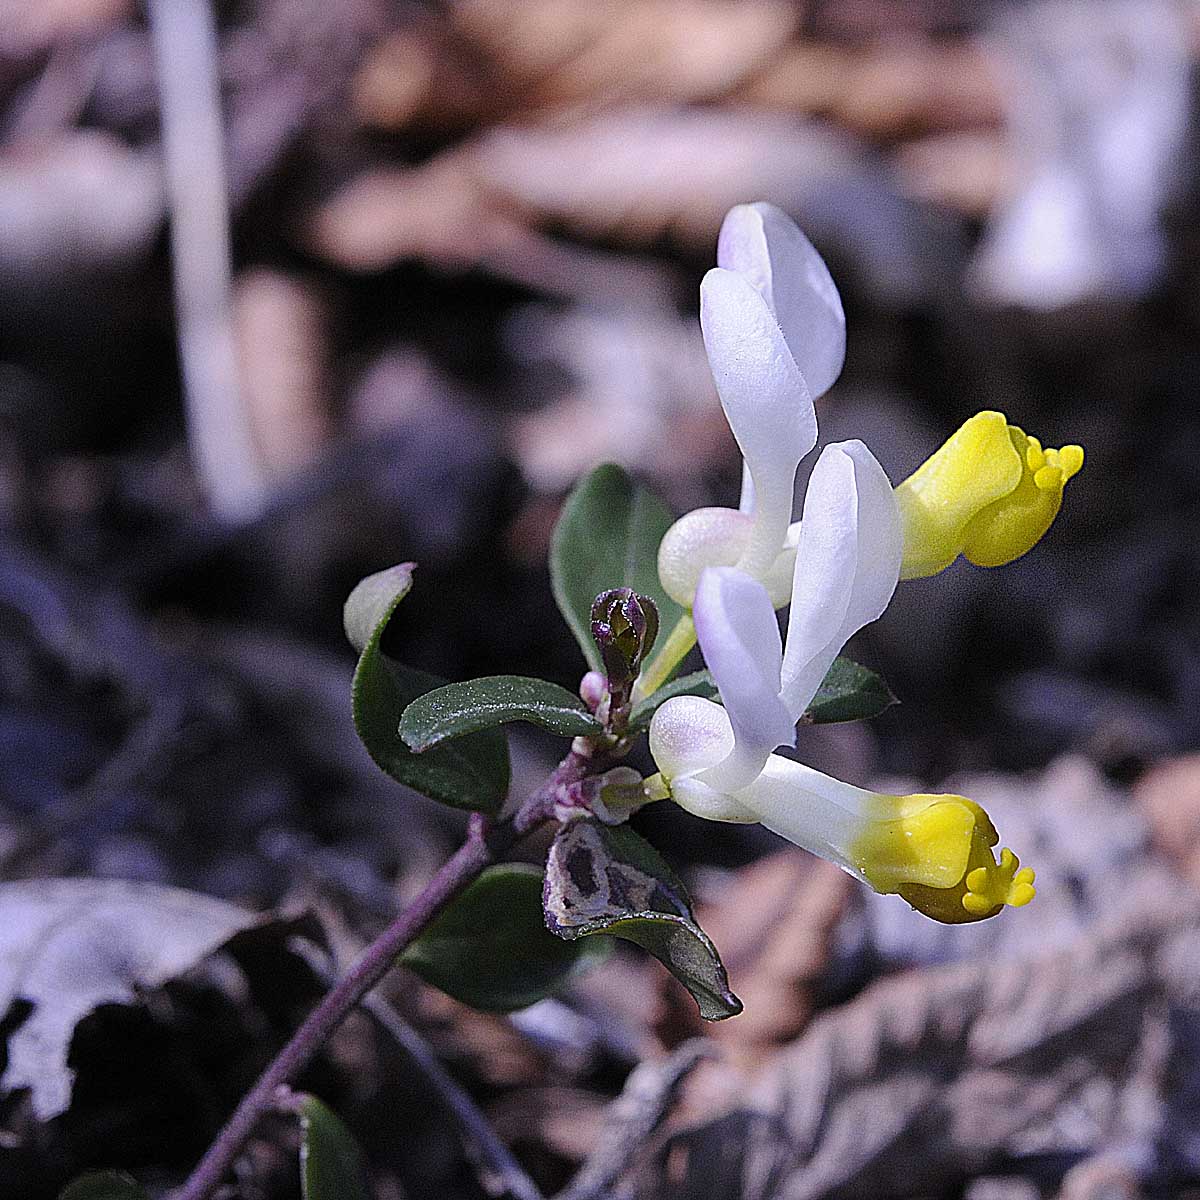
x,y
670,654
485,843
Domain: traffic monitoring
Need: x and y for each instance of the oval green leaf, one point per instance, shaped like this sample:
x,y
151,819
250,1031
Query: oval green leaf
x,y
603,879
103,1185
473,772
698,683
491,949
849,692
462,708
331,1164
607,536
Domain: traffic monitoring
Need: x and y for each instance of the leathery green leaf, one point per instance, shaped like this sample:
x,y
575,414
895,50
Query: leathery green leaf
x,y
471,773
848,692
491,949
462,708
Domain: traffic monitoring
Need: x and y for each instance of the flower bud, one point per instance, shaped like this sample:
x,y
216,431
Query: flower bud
x,y
624,626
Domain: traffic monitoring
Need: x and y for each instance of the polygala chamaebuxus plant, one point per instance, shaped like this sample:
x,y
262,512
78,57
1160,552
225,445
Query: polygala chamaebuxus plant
x,y
640,590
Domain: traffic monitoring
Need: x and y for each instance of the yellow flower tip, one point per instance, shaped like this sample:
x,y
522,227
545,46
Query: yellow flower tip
x,y
936,853
990,493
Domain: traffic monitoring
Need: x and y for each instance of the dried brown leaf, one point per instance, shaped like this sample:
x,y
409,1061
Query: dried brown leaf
x,y
933,1076
639,173
558,53
774,923
68,946
279,322
1169,795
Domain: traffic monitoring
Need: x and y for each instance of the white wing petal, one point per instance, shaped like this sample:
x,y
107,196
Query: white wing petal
x,y
766,401
847,565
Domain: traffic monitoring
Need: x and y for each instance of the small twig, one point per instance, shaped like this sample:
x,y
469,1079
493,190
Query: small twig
x,y
494,1153
631,1119
193,142
485,844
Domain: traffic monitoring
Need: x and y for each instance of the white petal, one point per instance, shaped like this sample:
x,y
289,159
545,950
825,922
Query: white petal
x,y
688,734
847,565
763,243
738,632
704,537
766,401
716,537
811,810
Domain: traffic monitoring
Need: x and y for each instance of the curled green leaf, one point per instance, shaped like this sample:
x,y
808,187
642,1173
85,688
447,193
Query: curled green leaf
x,y
603,879
471,773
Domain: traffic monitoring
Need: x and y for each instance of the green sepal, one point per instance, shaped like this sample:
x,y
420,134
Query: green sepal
x,y
103,1185
462,708
607,536
473,772
606,879
331,1164
491,949
849,692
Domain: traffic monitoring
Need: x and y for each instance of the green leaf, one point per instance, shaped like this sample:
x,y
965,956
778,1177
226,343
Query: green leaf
x,y
491,949
698,683
607,537
331,1164
102,1185
603,879
848,693
462,708
473,772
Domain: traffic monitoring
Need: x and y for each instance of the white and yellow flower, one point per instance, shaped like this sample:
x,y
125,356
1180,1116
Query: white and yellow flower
x,y
717,760
775,335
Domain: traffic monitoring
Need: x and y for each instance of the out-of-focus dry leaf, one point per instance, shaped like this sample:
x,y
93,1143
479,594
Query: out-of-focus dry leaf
x,y
420,78
29,25
560,53
965,171
486,1044
82,202
279,322
774,923
1169,795
638,173
639,393
883,89
932,1076
1103,1177
437,212
1099,103
68,946
565,1119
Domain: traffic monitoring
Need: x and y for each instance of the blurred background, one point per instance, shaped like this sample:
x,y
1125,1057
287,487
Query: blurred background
x,y
361,283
